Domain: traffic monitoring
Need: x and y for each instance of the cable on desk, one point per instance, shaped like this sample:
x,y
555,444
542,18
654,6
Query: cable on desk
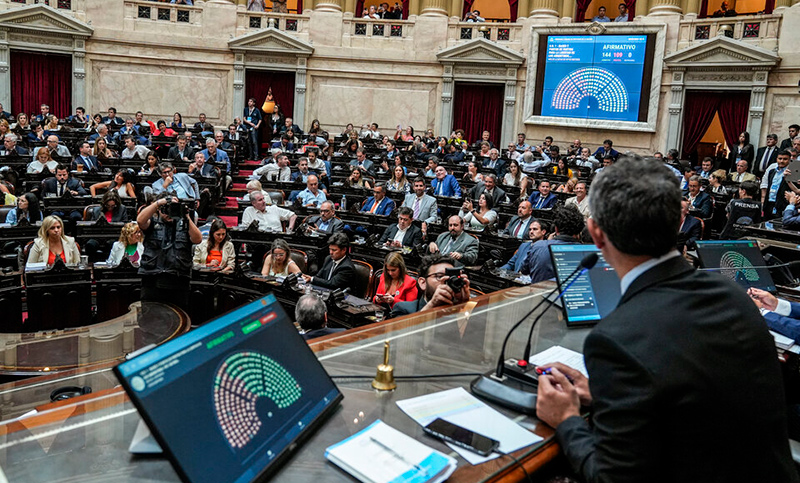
x,y
416,376
518,462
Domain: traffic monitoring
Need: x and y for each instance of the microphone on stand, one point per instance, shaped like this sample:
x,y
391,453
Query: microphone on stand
x,y
508,392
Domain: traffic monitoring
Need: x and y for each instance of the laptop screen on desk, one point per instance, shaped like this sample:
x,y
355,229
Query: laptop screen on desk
x,y
594,294
229,400
736,260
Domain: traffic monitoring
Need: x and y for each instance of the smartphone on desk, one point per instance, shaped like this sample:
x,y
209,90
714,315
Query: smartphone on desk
x,y
463,437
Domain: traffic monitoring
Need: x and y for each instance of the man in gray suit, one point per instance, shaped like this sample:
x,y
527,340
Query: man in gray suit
x,y
361,162
456,243
325,223
488,186
423,205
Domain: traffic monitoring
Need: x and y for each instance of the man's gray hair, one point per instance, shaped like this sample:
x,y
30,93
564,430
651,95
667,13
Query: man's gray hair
x,y
310,312
210,141
637,204
11,137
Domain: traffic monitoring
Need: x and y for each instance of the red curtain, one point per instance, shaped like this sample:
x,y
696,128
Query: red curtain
x,y
699,110
703,9
467,8
359,8
580,9
769,6
478,108
299,6
631,4
514,5
37,79
258,82
734,108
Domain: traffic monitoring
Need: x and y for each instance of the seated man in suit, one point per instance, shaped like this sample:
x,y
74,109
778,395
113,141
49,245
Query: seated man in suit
x,y
361,161
518,226
567,225
86,159
303,172
404,233
741,175
433,287
791,218
456,243
338,270
129,129
455,154
223,143
690,229
216,156
682,355
311,314
62,184
489,186
112,117
606,149
312,195
200,168
378,204
423,206
181,151
203,126
284,144
445,184
56,150
43,115
699,201
543,199
325,223
494,162
539,229
102,132
766,155
10,147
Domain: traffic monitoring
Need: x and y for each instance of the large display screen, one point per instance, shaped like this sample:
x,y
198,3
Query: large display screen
x,y
229,400
738,260
595,77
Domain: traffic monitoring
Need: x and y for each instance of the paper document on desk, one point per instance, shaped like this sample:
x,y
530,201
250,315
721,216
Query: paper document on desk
x,y
560,354
781,341
381,454
463,409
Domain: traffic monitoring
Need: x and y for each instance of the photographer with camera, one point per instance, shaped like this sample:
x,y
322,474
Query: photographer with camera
x,y
166,264
441,284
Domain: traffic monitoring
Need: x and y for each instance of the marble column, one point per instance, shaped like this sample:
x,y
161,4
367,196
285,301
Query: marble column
x,y
238,85
758,95
456,8
350,6
5,74
79,73
435,8
665,7
448,87
413,7
642,7
300,92
509,109
691,6
544,8
522,8
568,8
329,5
675,111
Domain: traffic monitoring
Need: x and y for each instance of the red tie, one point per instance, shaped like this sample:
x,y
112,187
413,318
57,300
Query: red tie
x,y
516,231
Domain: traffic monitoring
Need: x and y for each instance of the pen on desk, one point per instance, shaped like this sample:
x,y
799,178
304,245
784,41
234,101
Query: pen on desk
x,y
547,372
398,456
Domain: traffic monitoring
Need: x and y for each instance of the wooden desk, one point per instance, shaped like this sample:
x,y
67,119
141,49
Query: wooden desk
x,y
88,438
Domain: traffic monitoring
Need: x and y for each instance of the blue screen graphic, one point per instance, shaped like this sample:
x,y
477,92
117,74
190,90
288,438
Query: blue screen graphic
x,y
594,77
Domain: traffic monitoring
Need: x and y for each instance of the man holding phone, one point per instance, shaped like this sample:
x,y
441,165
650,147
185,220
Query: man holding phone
x,y
441,284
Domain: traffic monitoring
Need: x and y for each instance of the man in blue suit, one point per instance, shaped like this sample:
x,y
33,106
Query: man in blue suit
x,y
378,204
85,158
606,148
538,230
445,184
781,315
543,199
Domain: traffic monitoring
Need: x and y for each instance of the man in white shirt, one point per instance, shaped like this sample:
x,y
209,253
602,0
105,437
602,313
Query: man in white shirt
x,y
55,148
132,150
279,171
581,201
269,217
623,13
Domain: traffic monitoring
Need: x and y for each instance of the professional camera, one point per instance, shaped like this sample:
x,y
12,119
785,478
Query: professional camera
x,y
455,282
174,210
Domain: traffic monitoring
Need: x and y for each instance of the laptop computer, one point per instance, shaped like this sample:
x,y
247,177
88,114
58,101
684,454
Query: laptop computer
x,y
231,400
593,295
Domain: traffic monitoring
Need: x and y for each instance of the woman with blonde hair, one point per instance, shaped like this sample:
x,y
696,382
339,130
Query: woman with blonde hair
x,y
129,245
279,262
395,284
52,243
399,182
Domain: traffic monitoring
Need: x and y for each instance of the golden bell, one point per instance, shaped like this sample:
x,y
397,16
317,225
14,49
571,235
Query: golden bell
x,y
384,379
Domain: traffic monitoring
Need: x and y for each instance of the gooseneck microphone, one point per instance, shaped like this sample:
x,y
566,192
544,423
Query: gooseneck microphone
x,y
494,386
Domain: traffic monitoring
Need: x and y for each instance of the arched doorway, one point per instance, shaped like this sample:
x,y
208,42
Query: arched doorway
x,y
723,113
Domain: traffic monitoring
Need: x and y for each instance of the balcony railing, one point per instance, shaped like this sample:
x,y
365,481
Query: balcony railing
x,y
148,11
59,4
367,29
504,32
762,29
289,22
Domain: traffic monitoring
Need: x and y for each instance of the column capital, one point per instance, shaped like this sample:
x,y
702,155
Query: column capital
x,y
434,8
329,5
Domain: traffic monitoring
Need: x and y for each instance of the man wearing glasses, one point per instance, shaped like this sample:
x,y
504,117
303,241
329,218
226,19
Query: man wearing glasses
x,y
434,288
325,223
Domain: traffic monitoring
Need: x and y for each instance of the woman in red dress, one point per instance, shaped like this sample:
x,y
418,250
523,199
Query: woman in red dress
x,y
395,284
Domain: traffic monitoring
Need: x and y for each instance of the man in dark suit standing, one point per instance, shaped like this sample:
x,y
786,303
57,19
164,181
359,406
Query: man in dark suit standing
x,y
794,131
404,233
338,270
683,356
766,155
